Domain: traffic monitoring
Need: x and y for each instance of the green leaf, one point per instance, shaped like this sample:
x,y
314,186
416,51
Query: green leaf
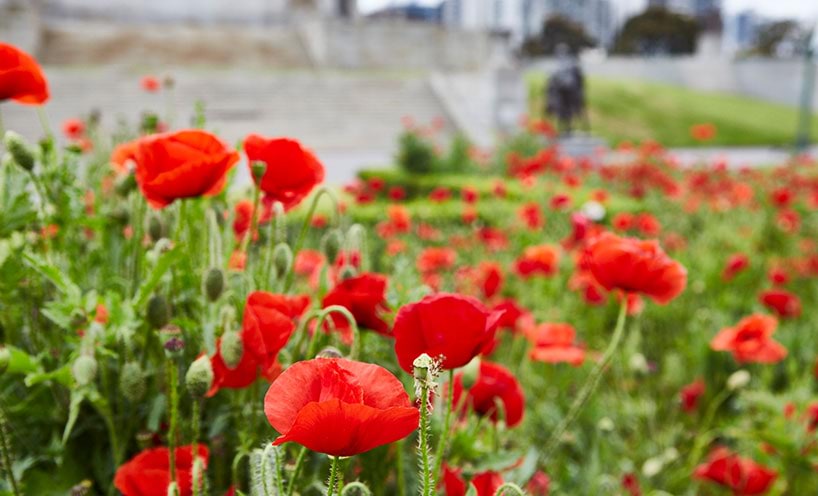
x,y
156,412
52,273
77,397
21,362
61,375
165,261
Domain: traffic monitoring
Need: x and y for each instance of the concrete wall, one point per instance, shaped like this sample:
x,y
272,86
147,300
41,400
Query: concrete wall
x,y
20,24
772,80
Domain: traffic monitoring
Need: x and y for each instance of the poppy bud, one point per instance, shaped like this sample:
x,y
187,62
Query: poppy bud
x,y
173,342
125,184
738,380
214,283
84,370
156,229
158,311
347,272
5,358
78,318
258,168
199,377
605,424
282,258
132,382
120,215
19,150
82,489
357,237
329,352
331,244
232,349
470,373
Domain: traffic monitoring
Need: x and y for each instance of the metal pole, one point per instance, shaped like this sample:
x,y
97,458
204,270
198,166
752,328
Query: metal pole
x,y
807,91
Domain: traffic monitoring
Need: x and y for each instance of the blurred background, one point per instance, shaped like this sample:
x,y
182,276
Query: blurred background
x,y
345,76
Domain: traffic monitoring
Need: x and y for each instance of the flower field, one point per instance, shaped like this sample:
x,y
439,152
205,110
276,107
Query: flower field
x,y
473,322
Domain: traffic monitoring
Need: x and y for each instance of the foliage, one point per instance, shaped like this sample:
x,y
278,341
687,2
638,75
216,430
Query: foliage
x,y
558,30
657,31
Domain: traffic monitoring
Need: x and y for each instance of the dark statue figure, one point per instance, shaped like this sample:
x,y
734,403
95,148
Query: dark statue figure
x,y
565,92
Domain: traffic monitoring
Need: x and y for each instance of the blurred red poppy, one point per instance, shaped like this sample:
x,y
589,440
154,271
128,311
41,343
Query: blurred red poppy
x,y
489,278
365,297
495,386
539,484
555,343
242,218
690,395
433,259
637,266
751,340
150,84
783,303
703,132
532,216
182,164
339,407
123,155
292,170
485,483
538,260
454,327
148,473
514,316
268,323
73,128
735,264
21,78
743,476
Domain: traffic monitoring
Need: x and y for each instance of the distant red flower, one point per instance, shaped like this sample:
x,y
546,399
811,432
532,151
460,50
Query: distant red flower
x,y
307,262
148,473
150,84
788,220
396,193
469,195
241,376
182,164
630,483
538,259
292,170
647,224
751,340
637,266
812,417
242,218
469,215
73,128
555,343
434,259
376,184
513,314
489,278
101,314
778,276
783,303
499,189
560,201
690,395
339,407
399,218
365,297
268,323
453,326
237,261
703,132
742,476
494,384
782,197
485,483
532,216
623,221
539,484
21,77
440,194
493,239
735,264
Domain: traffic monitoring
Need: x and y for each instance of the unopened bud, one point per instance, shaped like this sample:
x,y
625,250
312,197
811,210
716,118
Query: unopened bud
x,y
282,258
5,359
125,184
423,365
347,272
738,380
258,168
84,370
470,373
82,489
331,244
214,283
158,312
329,352
120,215
156,228
132,382
232,348
19,150
199,377
173,342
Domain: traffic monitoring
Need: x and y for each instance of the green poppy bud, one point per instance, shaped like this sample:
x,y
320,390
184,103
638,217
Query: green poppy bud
x,y
258,169
199,377
470,373
132,382
84,370
214,283
125,184
282,258
156,228
331,244
158,311
347,272
232,348
19,150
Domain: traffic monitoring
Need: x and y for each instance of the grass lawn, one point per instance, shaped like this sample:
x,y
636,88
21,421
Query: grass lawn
x,y
623,110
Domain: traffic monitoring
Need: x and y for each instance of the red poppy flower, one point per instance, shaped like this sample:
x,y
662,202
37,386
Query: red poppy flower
x,y
73,129
538,259
241,376
307,262
469,195
150,84
21,78
647,224
123,155
434,259
243,218
440,194
453,326
489,278
743,476
555,343
485,483
532,216
268,323
633,265
778,276
690,395
622,221
494,384
630,483
703,132
148,473
735,264
539,484
365,297
782,302
182,164
514,315
751,340
396,193
292,170
339,407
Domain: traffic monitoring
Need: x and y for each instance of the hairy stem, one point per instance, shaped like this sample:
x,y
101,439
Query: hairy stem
x,y
333,476
444,435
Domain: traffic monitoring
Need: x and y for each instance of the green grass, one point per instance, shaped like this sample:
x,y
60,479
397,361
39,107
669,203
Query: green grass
x,y
624,110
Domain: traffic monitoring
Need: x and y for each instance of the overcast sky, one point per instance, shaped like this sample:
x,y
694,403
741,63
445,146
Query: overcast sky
x,y
801,9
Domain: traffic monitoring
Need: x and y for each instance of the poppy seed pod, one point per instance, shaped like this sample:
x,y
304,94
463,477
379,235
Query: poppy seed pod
x,y
282,258
331,244
5,358
84,370
173,342
329,352
232,349
214,283
132,382
199,377
258,168
156,228
158,311
19,150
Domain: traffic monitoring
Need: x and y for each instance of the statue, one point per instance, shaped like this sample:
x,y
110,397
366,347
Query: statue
x,y
565,92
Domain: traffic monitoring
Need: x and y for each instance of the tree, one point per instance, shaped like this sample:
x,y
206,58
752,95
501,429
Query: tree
x,y
773,34
658,31
558,30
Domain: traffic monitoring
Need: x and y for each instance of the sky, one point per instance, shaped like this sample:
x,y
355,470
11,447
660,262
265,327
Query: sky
x,y
800,9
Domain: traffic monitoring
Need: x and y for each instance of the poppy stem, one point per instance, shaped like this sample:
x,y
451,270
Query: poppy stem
x,y
701,439
6,452
299,460
333,475
44,121
447,421
174,413
590,385
356,338
305,226
509,488
423,446
248,237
